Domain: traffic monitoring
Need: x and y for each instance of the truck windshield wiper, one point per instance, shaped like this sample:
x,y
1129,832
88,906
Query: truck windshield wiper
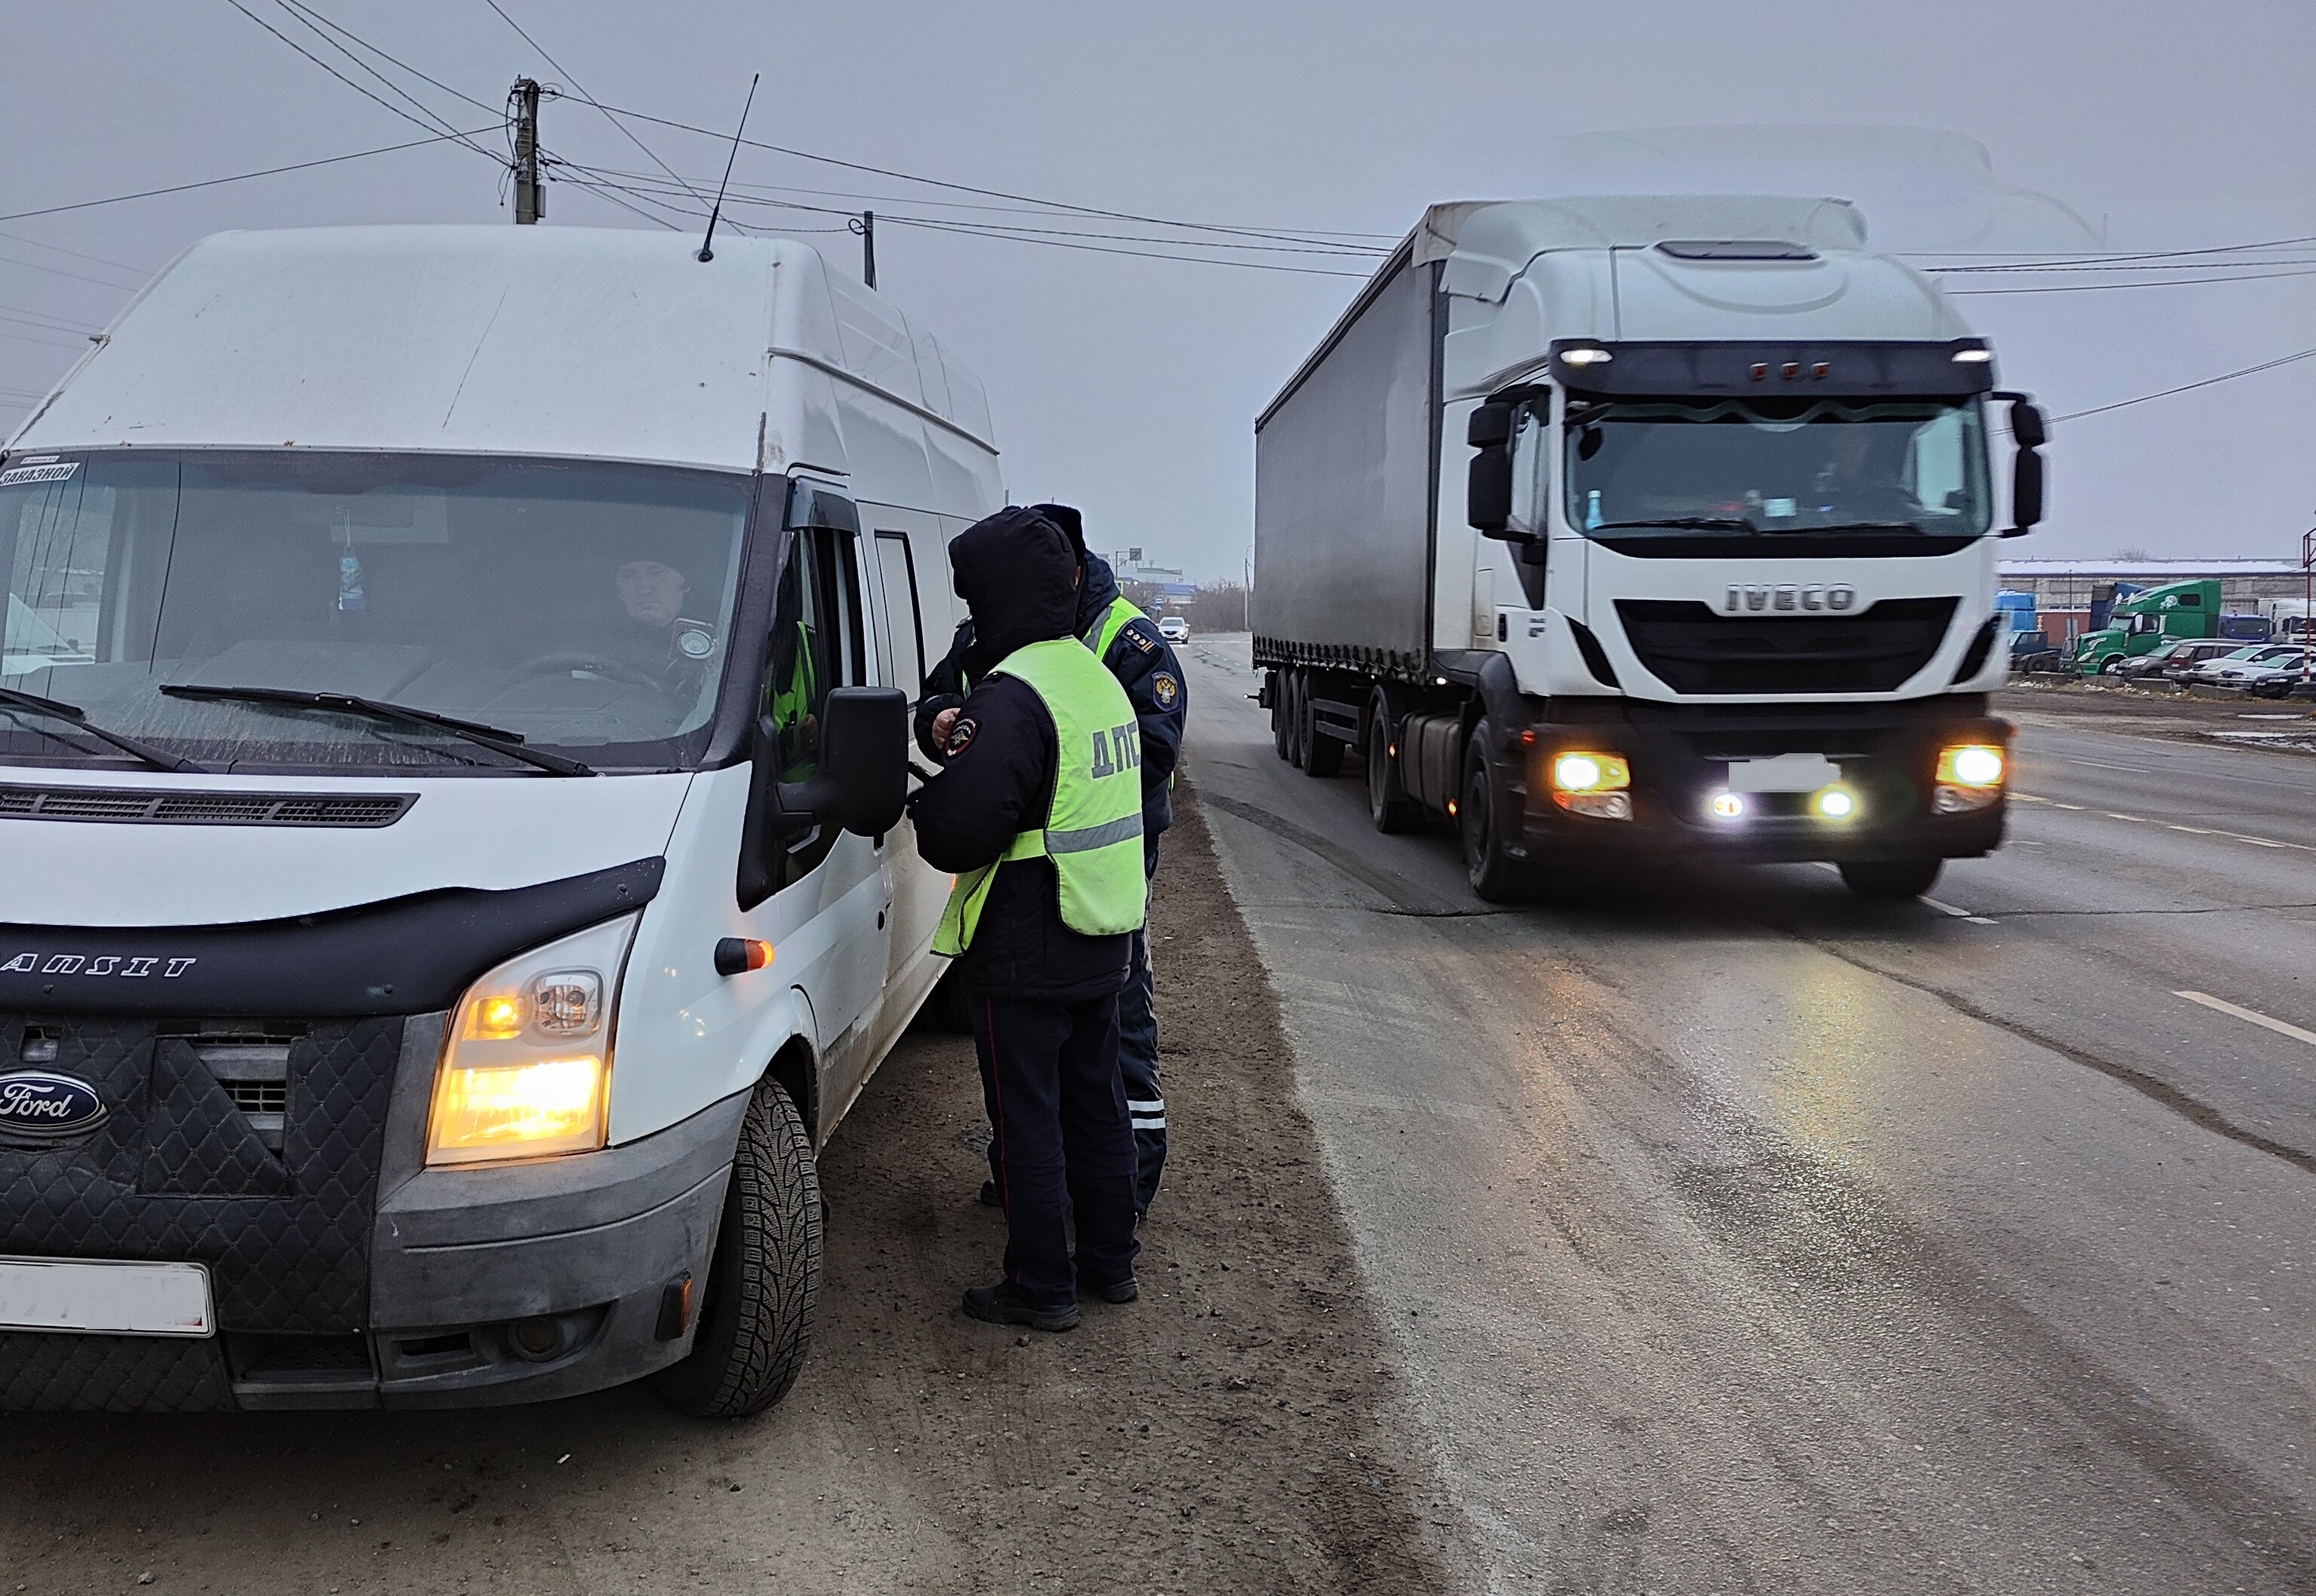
x,y
159,759
492,737
1696,523
1862,526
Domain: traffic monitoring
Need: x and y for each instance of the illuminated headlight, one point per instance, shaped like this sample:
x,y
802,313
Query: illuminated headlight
x,y
1727,806
525,1064
1972,764
1586,357
1594,784
1973,357
1834,803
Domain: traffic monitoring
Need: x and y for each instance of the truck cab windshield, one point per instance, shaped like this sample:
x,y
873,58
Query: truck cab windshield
x,y
581,609
1676,468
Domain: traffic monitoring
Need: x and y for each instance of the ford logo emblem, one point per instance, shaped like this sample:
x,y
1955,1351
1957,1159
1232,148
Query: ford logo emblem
x,y
38,1108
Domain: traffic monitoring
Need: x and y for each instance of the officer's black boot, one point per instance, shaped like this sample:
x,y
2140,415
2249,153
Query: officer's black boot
x,y
1002,1304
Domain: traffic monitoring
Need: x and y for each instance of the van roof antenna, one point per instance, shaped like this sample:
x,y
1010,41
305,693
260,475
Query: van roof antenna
x,y
707,245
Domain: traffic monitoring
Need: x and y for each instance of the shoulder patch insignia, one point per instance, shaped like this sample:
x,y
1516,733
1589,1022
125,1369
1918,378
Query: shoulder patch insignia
x,y
960,736
1165,689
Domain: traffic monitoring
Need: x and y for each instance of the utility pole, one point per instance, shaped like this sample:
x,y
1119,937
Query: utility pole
x,y
2307,606
529,199
868,247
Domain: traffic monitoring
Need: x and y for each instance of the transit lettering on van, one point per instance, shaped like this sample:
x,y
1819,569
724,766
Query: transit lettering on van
x,y
466,846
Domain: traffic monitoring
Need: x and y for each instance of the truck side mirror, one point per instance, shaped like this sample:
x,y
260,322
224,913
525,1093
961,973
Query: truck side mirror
x,y
1488,487
863,780
2028,432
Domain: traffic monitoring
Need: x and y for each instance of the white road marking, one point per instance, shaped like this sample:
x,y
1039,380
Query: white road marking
x,y
1947,909
2103,765
2232,836
2254,1015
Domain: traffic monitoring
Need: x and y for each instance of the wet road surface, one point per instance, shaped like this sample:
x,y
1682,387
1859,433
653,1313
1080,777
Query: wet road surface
x,y
1742,1236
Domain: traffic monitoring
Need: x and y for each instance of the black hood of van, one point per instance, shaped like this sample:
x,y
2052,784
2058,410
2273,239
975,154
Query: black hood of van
x,y
1017,573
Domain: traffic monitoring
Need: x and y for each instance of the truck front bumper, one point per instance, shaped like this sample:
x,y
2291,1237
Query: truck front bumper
x,y
1887,766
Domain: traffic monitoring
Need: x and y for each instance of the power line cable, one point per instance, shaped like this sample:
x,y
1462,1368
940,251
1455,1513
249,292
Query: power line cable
x,y
140,271
2098,287
2109,257
443,130
61,272
428,115
210,182
309,12
28,338
47,323
2186,388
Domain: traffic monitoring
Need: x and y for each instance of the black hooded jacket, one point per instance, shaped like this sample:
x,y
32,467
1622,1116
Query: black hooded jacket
x,y
1017,573
1143,661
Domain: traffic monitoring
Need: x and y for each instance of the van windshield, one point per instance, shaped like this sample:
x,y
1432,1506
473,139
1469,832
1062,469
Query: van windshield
x,y
1686,468
583,607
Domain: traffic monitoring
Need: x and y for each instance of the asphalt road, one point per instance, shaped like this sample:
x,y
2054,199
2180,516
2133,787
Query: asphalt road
x,y
1739,1236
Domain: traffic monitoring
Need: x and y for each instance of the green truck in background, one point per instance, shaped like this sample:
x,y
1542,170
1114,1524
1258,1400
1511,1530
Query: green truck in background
x,y
2144,621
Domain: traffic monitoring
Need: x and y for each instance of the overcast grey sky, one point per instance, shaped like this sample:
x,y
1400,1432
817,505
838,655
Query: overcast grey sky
x,y
1129,386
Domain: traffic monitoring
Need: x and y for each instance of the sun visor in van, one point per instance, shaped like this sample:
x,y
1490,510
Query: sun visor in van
x,y
401,956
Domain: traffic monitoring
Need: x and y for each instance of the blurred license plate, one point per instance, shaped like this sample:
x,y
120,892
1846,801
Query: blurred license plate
x,y
64,1294
1786,772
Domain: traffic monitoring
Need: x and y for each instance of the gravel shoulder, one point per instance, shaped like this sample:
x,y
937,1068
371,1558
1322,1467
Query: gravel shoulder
x,y
2286,725
1243,1427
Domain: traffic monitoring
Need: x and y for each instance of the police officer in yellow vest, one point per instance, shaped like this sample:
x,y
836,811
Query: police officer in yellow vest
x,y
1037,809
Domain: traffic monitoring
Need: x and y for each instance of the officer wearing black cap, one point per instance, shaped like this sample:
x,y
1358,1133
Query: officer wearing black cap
x,y
1127,643
1037,809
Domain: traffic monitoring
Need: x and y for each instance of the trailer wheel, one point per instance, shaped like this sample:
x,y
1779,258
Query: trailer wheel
x,y
1279,721
1495,875
1388,805
1295,745
1323,754
1892,881
756,1313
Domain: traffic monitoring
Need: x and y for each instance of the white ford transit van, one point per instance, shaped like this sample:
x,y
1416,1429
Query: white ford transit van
x,y
453,874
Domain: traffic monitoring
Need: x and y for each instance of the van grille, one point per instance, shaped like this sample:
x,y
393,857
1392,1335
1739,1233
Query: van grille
x,y
130,805
1691,649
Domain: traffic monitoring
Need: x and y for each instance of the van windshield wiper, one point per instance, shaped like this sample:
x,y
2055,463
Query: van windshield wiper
x,y
159,759
492,737
1694,523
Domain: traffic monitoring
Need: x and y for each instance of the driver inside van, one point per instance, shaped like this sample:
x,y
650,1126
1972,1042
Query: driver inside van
x,y
653,632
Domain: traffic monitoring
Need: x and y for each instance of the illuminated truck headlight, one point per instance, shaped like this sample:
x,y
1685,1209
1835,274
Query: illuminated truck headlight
x,y
526,1063
1970,777
1593,784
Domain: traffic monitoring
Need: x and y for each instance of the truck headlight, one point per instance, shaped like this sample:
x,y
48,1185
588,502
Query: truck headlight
x,y
1593,784
526,1063
1971,764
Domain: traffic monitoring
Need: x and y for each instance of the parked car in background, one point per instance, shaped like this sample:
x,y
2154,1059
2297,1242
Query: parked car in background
x,y
1174,628
2268,679
2199,652
2177,655
2219,671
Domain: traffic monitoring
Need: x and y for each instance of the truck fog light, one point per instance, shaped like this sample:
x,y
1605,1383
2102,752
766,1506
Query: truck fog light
x,y
535,1340
1599,806
1835,803
1589,772
1971,764
1727,806
1960,800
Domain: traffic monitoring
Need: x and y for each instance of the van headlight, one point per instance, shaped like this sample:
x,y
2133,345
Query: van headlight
x,y
526,1063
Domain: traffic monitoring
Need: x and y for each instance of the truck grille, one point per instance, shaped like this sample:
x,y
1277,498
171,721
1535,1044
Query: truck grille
x,y
1693,650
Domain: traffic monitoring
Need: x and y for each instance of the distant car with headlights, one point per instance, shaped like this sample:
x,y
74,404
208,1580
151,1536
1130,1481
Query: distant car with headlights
x,y
1174,628
452,780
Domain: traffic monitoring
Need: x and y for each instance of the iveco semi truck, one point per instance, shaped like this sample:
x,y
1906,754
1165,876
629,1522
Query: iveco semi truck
x,y
1625,528
453,876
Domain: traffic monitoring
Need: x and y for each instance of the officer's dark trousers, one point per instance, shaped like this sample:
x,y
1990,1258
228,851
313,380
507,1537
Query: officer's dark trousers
x,y
1061,1143
1137,1060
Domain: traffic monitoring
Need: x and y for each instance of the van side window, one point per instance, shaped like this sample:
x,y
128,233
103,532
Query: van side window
x,y
817,643
905,619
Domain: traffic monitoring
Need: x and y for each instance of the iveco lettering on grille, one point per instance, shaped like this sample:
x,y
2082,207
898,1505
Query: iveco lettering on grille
x,y
1786,596
102,964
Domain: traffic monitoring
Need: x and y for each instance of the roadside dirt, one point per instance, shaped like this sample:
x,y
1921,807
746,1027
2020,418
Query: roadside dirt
x,y
2288,725
1239,1429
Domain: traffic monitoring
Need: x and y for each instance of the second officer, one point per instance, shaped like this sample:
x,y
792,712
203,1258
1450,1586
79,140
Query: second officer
x,y
1038,810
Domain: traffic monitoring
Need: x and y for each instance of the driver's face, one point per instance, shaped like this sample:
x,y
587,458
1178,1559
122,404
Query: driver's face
x,y
651,592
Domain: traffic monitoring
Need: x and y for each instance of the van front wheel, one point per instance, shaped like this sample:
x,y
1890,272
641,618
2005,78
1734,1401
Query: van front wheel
x,y
755,1317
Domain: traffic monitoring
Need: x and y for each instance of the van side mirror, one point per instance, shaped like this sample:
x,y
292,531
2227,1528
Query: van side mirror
x,y
2029,433
1488,487
862,784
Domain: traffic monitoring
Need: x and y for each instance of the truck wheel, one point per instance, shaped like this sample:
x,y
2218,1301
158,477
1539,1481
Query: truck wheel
x,y
1280,722
1388,805
1891,880
1495,875
1322,755
755,1315
2113,665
